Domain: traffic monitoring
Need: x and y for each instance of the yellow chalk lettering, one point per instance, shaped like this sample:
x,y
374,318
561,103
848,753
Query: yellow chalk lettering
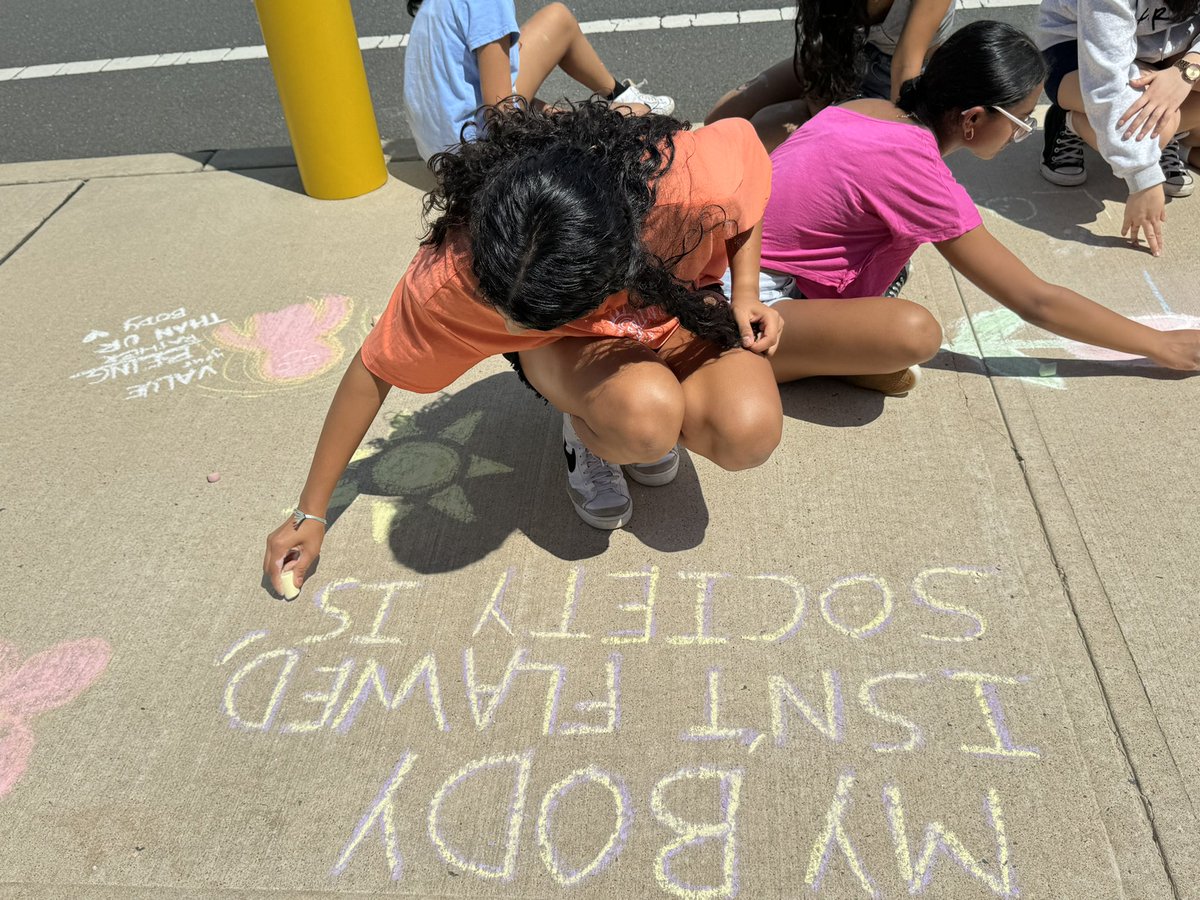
x,y
574,587
616,839
877,624
704,591
492,610
988,698
830,724
696,834
712,731
390,590
917,873
834,836
610,706
485,699
799,594
646,606
383,812
521,763
921,596
327,608
291,658
329,698
373,679
867,699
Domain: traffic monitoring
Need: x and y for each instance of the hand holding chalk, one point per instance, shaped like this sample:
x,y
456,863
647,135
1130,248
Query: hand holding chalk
x,y
287,582
291,552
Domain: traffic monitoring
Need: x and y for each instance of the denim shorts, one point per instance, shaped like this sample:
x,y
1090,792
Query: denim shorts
x,y
1062,59
877,78
514,358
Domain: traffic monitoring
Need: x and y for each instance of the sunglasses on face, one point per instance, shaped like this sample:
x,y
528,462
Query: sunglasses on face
x,y
1025,127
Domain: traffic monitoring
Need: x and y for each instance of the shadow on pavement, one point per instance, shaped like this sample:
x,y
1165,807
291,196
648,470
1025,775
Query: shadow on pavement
x,y
828,402
414,173
451,481
1033,367
1017,191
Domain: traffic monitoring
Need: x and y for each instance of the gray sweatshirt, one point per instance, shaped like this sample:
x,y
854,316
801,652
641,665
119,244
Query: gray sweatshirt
x,y
1112,34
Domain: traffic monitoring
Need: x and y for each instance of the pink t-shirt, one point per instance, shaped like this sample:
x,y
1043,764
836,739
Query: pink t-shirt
x,y
852,198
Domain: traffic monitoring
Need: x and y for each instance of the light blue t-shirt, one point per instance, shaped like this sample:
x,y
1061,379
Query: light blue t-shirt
x,y
441,73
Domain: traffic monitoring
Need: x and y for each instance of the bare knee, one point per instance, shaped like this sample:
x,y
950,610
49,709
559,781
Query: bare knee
x,y
917,331
559,17
746,435
641,416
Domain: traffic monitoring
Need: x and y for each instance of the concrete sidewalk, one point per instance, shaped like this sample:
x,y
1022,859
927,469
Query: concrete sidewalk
x,y
940,645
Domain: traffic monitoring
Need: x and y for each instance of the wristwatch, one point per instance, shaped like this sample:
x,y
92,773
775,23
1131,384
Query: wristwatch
x,y
299,516
1190,70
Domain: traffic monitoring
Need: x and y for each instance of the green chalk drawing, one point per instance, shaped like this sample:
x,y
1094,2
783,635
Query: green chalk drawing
x,y
408,469
994,332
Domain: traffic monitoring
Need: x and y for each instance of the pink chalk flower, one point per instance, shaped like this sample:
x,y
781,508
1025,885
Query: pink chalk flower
x,y
292,344
45,681
1162,322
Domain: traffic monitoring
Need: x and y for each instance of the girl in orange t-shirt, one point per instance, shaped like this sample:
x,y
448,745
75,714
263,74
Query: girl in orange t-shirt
x,y
586,245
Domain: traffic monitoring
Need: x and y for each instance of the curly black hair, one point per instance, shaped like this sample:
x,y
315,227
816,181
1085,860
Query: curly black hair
x,y
554,203
830,37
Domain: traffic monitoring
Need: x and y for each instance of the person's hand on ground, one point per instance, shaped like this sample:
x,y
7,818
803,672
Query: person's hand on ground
x,y
1145,211
294,548
1178,350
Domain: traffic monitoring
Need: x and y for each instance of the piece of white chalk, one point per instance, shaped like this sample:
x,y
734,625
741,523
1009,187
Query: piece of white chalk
x,y
214,477
288,580
1047,369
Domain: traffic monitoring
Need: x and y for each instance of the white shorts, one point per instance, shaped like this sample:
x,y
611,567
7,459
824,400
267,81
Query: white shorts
x,y
771,287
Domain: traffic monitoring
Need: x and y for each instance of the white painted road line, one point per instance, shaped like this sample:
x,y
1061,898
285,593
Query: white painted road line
x,y
388,41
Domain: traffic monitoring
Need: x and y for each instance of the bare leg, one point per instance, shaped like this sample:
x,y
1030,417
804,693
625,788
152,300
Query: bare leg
x,y
1070,97
629,404
551,39
775,124
732,411
853,337
776,84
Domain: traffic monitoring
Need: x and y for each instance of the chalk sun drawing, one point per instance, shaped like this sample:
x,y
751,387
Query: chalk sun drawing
x,y
409,468
44,681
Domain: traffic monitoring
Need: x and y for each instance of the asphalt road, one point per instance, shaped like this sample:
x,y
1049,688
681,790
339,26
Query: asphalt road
x,y
233,104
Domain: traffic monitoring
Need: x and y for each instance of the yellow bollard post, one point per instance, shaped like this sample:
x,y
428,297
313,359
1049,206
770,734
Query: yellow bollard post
x,y
313,48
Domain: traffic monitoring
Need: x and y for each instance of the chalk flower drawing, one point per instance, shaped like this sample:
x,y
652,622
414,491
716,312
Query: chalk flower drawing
x,y
292,344
996,332
407,468
45,681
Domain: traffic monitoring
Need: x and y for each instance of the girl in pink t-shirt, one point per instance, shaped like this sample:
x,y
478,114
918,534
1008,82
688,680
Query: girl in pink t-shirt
x,y
834,230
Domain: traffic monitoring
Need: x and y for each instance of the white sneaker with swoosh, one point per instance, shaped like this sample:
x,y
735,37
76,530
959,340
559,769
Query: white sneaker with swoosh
x,y
596,487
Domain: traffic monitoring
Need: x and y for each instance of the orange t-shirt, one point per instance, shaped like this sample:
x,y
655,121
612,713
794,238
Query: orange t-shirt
x,y
434,329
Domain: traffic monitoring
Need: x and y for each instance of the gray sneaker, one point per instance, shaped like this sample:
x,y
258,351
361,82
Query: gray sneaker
x,y
597,488
663,106
657,473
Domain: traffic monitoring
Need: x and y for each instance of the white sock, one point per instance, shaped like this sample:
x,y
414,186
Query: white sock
x,y
1070,120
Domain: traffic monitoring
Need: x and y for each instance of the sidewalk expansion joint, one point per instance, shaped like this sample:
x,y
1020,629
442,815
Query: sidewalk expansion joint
x,y
21,243
1068,593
